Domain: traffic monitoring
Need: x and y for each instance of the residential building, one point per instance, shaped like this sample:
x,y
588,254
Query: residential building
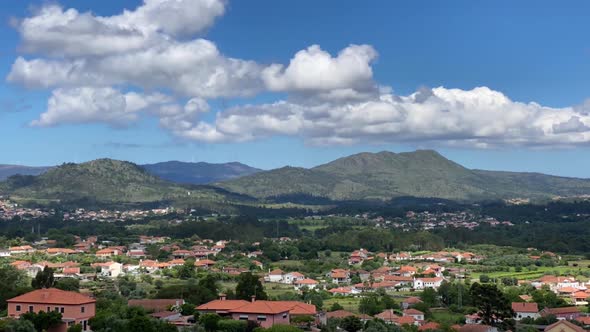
x,y
75,308
525,310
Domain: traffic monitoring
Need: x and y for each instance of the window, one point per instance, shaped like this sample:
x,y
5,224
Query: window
x,y
243,317
82,309
48,309
31,308
61,310
18,308
56,309
261,318
285,315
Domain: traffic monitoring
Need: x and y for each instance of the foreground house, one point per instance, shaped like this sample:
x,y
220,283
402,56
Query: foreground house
x,y
75,308
265,313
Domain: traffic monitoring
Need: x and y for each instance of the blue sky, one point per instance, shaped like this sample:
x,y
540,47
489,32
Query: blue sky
x,y
529,51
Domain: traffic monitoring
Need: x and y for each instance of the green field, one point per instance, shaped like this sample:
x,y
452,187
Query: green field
x,y
348,303
530,275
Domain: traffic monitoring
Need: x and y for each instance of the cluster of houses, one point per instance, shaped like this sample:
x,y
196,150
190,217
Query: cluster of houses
x,y
10,210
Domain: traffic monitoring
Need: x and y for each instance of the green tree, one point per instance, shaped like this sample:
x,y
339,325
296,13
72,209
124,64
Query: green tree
x,y
336,306
249,285
187,309
491,303
44,279
68,284
43,320
351,324
12,283
19,325
430,297
75,328
209,321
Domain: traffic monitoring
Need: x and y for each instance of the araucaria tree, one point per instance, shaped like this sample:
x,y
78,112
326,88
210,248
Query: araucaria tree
x,y
493,306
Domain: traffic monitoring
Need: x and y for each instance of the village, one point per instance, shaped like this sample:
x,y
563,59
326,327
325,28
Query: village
x,y
404,289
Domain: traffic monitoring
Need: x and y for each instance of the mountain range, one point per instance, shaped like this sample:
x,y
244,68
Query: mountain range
x,y
174,171
361,177
386,175
109,182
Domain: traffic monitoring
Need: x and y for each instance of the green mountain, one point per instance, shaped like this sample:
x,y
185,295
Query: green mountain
x,y
198,173
386,175
106,181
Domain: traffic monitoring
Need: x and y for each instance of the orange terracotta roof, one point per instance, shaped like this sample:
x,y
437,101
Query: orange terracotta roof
x,y
525,307
263,307
406,320
570,325
52,296
429,326
339,314
222,305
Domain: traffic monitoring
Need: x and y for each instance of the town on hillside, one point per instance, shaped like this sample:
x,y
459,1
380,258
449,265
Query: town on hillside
x,y
176,270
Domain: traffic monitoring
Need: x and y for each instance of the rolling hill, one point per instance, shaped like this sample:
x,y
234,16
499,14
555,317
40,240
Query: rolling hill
x,y
198,173
386,175
106,181
10,170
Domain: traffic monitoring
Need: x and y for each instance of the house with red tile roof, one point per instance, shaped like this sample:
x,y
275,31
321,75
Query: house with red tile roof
x,y
580,298
416,314
60,251
26,249
75,308
432,326
307,283
422,283
569,313
275,275
291,277
108,252
204,263
525,310
340,276
564,326
388,316
266,313
345,291
410,301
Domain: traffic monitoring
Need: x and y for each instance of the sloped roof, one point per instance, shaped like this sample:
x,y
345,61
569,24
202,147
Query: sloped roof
x,y
52,296
525,307
566,323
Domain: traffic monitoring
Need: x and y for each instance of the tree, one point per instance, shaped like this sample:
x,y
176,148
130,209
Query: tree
x,y
429,296
44,279
484,278
187,309
75,328
371,305
491,303
209,321
249,285
19,325
68,284
351,324
12,283
187,270
42,320
336,306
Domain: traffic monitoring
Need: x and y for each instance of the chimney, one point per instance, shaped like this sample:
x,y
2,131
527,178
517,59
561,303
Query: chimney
x,y
253,298
222,297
